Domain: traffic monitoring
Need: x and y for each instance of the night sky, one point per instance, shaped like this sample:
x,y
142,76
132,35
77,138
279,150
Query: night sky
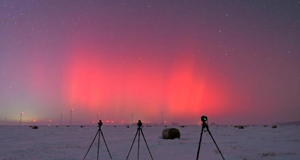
x,y
238,62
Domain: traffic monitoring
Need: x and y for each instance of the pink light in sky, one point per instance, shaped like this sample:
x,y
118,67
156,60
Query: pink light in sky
x,y
92,83
120,58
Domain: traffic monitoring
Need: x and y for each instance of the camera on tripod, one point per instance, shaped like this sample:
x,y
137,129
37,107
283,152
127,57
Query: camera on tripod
x,y
205,126
203,119
100,123
99,133
138,133
139,123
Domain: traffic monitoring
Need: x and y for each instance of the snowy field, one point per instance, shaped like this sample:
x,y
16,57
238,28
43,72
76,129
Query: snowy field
x,y
64,143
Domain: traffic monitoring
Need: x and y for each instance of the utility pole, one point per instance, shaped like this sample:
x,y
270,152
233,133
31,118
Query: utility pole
x,y
61,114
21,118
162,118
71,111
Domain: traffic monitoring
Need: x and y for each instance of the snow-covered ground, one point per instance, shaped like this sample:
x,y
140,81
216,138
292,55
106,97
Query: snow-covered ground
x,y
63,143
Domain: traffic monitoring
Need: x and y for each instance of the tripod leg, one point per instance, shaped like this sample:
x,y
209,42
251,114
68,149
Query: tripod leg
x,y
105,143
91,144
215,143
132,144
200,143
98,144
146,144
138,154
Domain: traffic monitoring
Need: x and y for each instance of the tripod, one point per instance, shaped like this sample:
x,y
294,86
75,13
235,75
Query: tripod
x,y
98,133
205,125
138,132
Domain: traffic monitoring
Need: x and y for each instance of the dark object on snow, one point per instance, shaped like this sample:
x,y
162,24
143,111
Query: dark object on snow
x,y
127,126
170,133
34,127
274,126
240,127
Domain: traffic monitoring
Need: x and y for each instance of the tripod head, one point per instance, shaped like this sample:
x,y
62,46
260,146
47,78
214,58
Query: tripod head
x,y
100,123
139,123
204,122
203,119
